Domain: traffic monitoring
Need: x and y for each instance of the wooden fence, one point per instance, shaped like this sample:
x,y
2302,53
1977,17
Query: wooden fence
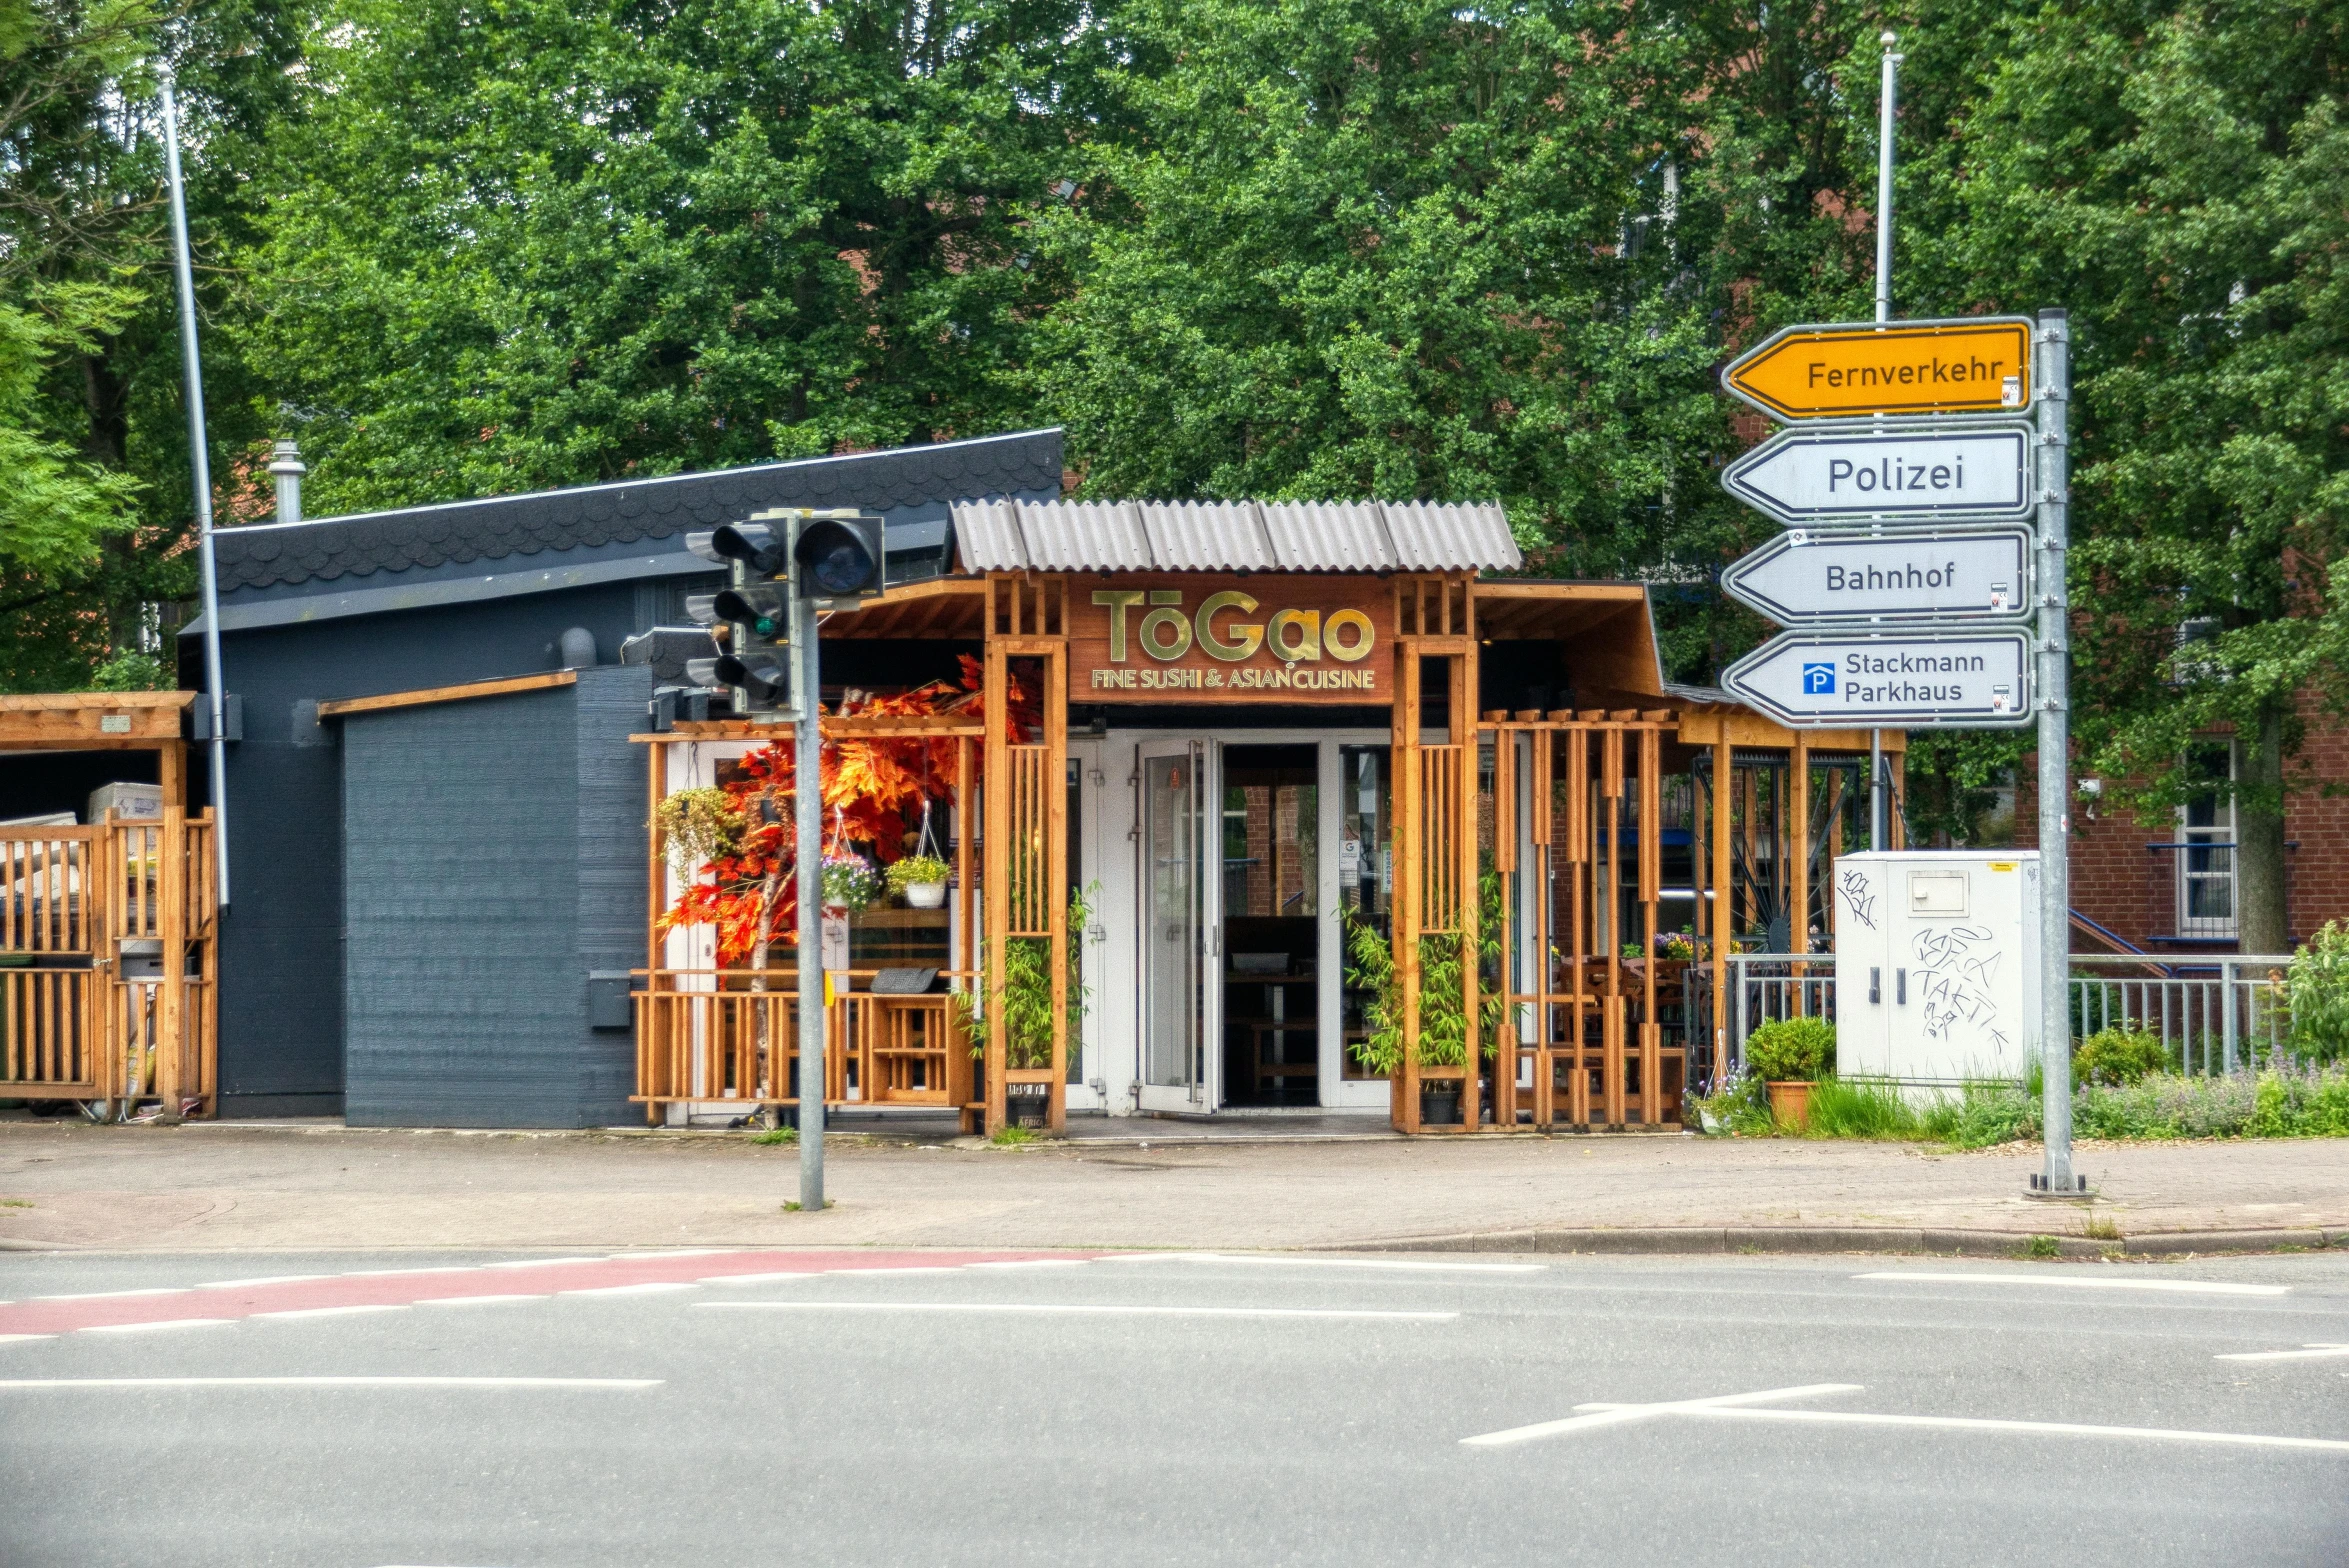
x,y
92,1005
706,1037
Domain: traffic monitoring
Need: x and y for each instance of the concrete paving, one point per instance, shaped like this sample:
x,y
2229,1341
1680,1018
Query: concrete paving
x,y
255,1188
1179,1410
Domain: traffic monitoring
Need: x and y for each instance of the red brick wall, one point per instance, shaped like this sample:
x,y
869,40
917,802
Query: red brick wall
x,y
2119,883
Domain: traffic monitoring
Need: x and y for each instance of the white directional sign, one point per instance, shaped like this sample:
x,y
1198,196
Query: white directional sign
x,y
1857,473
1895,576
1846,679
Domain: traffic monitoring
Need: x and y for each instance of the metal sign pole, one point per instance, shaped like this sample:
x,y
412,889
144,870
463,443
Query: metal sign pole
x,y
199,462
1885,102
807,799
2055,816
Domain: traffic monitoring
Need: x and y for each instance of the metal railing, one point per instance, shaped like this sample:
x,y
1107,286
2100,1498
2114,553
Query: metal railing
x,y
2220,1014
2213,1015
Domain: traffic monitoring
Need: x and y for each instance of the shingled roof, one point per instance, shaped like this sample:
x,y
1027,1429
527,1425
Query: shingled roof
x,y
502,528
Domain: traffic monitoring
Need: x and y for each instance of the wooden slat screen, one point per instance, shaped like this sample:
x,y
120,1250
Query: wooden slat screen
x,y
1444,820
1030,897
47,1033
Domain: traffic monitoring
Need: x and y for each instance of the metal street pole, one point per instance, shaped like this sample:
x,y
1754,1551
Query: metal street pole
x,y
807,797
1878,816
2055,814
201,466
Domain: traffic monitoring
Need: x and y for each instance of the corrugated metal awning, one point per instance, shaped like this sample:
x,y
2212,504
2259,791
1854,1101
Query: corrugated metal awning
x,y
1234,536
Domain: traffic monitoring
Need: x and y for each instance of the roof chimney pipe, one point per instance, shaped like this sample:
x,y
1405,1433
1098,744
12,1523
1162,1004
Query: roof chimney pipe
x,y
287,468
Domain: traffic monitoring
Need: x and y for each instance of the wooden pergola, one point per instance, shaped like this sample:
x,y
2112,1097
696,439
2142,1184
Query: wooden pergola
x,y
1565,806
108,953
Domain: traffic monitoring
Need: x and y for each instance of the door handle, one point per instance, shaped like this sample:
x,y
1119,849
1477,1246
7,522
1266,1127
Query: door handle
x,y
1900,986
1876,985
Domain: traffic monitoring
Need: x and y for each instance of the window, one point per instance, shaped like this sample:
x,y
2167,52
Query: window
x,y
2206,843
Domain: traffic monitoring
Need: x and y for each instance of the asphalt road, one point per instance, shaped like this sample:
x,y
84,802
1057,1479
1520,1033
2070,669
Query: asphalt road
x,y
734,1407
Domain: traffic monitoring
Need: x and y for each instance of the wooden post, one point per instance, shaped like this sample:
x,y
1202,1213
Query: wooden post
x,y
1611,793
656,889
1506,1048
1724,914
1798,881
996,843
1056,873
1897,835
1409,837
1651,877
1545,980
171,925
1462,667
1580,868
965,920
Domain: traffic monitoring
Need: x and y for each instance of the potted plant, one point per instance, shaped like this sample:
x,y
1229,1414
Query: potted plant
x,y
1443,1022
920,880
1791,1054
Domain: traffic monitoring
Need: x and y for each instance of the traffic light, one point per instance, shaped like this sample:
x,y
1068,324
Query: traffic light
x,y
756,613
839,557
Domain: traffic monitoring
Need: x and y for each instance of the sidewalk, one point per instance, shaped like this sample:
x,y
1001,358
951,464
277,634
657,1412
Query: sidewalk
x,y
320,1186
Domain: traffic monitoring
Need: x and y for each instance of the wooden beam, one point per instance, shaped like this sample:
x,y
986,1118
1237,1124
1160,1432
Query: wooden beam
x,y
1724,918
92,721
343,707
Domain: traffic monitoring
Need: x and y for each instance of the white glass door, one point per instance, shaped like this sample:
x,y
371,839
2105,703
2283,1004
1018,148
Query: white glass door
x,y
1179,928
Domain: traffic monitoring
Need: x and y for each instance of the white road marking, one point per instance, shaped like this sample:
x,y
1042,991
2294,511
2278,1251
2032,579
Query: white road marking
x,y
115,1295
10,1339
923,1269
332,1382
141,1328
266,1279
1616,1415
472,1301
1069,1309
335,1312
2047,1428
752,1279
1415,1265
1031,1263
651,1288
674,1252
2305,1353
2198,1287
524,1263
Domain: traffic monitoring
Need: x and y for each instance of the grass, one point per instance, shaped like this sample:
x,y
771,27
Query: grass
x,y
2284,1102
2041,1247
2101,1227
1013,1137
793,1205
775,1135
15,1203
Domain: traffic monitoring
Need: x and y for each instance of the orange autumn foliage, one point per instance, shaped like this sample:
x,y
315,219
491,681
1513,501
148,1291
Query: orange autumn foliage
x,y
873,792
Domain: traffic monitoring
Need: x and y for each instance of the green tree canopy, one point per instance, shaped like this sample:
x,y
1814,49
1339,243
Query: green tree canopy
x,y
555,242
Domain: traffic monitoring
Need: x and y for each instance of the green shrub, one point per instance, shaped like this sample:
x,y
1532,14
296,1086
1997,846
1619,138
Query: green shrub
x,y
2316,990
2118,1056
1791,1049
1840,1109
1982,1117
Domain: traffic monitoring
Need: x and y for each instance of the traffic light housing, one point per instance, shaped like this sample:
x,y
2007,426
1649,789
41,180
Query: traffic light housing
x,y
838,557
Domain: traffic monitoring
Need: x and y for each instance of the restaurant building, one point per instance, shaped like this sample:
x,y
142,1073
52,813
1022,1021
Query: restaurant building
x,y
1360,817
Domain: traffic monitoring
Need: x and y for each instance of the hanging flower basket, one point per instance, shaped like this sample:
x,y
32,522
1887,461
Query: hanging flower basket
x,y
849,883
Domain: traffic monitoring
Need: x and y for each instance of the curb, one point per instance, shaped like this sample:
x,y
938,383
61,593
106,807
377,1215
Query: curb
x,y
1735,1239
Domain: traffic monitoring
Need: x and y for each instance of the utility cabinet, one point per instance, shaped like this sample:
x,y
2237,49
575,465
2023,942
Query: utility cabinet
x,y
1936,965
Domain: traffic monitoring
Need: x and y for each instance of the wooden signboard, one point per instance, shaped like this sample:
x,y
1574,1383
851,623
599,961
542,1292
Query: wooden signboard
x,y
1188,637
1969,365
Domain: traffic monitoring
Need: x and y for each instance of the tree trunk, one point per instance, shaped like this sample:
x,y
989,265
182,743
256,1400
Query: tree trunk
x,y
2262,920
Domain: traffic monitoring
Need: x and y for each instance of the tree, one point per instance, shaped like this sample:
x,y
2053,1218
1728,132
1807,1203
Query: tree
x,y
2178,178
553,243
1400,249
85,272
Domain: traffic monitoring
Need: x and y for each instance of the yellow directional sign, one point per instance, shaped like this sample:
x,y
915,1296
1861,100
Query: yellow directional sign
x,y
1971,365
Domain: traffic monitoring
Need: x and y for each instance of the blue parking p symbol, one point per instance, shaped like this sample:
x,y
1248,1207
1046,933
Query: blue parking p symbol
x,y
1819,680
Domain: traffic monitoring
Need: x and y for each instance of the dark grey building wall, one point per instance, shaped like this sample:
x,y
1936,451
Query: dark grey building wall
x,y
493,856
281,960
